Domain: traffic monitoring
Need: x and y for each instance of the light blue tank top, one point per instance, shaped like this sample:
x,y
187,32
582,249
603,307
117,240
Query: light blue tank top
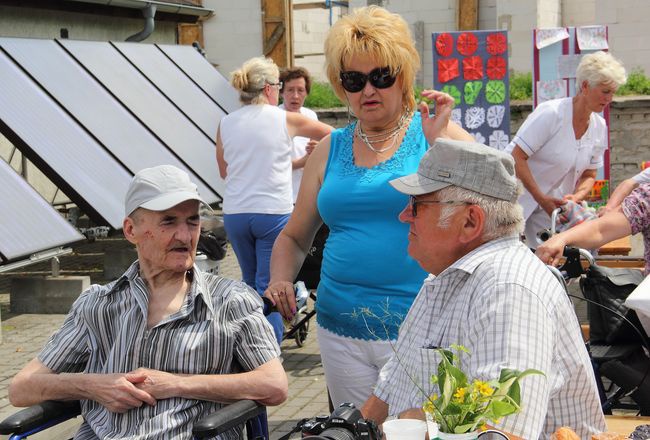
x,y
368,280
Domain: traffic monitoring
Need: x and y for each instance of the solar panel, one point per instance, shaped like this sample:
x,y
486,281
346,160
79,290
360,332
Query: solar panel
x,y
93,107
67,154
154,110
207,77
174,84
28,223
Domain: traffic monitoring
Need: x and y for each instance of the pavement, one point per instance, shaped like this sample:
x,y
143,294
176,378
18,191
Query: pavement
x,y
23,335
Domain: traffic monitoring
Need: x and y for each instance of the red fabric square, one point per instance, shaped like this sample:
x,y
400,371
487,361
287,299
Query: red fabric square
x,y
447,69
496,43
445,44
496,68
467,43
472,68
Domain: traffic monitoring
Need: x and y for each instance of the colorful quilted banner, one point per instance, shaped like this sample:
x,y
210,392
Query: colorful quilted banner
x,y
472,66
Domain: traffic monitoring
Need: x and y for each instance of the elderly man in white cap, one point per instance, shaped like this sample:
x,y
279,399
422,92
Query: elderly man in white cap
x,y
161,346
486,292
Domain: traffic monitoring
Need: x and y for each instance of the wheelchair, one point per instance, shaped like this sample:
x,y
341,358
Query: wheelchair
x,y
42,416
618,346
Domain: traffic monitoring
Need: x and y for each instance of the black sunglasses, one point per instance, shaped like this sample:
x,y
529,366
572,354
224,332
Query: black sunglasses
x,y
413,204
379,78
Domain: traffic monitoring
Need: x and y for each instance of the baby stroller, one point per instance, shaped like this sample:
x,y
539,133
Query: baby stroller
x,y
618,346
211,248
306,283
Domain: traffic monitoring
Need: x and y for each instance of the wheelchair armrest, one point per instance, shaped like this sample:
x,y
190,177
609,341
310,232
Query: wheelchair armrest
x,y
226,418
38,415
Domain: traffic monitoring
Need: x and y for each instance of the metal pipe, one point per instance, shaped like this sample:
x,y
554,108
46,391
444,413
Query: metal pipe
x,y
149,13
36,258
172,8
56,266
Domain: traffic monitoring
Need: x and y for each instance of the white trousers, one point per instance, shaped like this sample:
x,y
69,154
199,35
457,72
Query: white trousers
x,y
351,365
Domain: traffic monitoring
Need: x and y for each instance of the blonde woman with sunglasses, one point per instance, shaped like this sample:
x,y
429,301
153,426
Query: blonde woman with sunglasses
x,y
368,281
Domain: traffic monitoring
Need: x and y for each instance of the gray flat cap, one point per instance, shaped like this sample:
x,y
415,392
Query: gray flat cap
x,y
467,165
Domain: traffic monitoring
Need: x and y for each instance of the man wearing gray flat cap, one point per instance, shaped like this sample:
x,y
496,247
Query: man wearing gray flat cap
x,y
162,346
487,292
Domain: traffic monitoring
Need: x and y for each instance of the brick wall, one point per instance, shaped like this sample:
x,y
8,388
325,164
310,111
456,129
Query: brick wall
x,y
629,131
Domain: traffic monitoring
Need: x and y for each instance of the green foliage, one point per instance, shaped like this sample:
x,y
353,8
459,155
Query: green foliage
x,y
464,405
322,96
521,86
637,84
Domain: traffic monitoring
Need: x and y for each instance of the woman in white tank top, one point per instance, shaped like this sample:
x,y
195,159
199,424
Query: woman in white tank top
x,y
254,147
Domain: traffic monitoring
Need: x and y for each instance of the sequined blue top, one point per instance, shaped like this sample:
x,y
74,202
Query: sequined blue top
x,y
368,280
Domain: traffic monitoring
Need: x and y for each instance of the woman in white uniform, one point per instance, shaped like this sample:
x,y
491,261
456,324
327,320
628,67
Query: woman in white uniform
x,y
561,144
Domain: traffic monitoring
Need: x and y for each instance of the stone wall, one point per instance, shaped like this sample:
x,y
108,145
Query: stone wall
x,y
629,131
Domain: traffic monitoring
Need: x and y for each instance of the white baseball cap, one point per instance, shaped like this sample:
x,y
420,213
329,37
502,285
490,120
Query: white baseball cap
x,y
160,188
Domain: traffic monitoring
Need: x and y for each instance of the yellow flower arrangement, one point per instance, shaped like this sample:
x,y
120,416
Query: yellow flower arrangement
x,y
465,405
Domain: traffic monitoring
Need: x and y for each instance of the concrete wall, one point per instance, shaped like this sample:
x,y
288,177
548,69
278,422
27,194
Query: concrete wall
x,y
629,131
234,34
578,12
629,32
433,16
310,27
487,14
37,23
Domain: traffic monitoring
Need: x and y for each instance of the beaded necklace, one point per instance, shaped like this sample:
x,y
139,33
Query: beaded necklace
x,y
390,134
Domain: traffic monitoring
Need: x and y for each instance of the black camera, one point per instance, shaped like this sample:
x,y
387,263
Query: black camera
x,y
345,423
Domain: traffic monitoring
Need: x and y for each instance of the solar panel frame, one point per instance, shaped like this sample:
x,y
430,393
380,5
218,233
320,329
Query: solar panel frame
x,y
204,75
154,110
71,85
175,85
65,152
23,214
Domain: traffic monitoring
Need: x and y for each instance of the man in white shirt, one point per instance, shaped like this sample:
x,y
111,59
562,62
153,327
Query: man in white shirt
x,y
488,293
296,85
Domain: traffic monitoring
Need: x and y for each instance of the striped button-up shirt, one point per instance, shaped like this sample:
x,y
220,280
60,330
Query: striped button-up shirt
x,y
508,309
219,326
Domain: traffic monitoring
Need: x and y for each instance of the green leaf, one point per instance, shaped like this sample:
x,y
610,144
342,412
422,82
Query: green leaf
x,y
501,409
462,429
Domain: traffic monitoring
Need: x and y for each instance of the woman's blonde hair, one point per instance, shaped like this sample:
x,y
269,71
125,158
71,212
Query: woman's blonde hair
x,y
600,68
251,78
376,33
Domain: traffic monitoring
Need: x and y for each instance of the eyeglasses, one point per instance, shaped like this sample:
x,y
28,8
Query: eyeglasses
x,y
413,204
379,78
279,84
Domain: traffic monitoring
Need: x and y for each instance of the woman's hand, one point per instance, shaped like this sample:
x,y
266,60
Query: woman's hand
x,y
283,297
551,250
549,204
436,126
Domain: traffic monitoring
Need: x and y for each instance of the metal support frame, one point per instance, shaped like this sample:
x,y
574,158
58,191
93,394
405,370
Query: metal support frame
x,y
37,258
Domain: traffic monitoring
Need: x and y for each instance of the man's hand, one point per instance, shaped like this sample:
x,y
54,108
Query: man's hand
x,y
159,384
551,251
119,392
